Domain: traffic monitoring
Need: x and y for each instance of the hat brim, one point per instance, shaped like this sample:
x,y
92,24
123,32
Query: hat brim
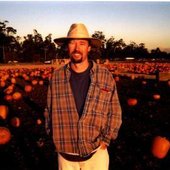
x,y
94,42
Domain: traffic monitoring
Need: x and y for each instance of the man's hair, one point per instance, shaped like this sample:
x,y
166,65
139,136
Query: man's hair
x,y
67,41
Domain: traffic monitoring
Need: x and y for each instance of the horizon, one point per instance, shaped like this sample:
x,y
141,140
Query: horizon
x,y
139,22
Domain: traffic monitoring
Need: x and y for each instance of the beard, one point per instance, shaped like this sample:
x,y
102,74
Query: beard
x,y
74,59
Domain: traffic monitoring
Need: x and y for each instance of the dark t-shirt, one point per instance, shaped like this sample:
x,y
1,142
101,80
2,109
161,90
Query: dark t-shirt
x,y
80,84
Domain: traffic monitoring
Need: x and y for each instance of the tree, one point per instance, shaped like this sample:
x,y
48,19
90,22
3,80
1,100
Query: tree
x,y
129,50
7,40
10,31
33,50
97,53
110,47
38,47
141,51
157,54
117,48
28,48
49,48
61,51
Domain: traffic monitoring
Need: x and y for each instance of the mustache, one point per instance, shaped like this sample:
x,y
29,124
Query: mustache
x,y
76,52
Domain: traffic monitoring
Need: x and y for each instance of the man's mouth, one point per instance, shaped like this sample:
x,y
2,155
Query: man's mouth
x,y
76,54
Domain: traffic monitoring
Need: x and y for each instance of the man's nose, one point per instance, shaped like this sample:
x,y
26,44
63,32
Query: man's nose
x,y
76,46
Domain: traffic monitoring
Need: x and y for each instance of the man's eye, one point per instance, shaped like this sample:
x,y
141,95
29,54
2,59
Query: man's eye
x,y
82,43
71,42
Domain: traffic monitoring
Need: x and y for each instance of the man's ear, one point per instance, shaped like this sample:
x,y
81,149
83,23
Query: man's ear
x,y
89,48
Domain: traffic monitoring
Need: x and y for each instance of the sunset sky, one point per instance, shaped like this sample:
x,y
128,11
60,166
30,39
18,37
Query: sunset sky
x,y
141,22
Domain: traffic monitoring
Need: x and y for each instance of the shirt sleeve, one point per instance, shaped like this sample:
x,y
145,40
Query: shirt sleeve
x,y
114,120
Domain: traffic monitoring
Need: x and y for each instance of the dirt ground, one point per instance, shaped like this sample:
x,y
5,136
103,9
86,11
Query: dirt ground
x,y
30,148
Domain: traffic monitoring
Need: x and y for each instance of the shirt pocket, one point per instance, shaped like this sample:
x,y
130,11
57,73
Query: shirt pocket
x,y
101,100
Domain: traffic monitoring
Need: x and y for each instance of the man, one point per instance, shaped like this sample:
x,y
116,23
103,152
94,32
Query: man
x,y
84,112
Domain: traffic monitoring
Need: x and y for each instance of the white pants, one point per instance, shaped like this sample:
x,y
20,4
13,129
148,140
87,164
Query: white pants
x,y
99,161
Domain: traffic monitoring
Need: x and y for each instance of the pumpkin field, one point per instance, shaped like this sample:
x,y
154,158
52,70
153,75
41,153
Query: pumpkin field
x,y
143,141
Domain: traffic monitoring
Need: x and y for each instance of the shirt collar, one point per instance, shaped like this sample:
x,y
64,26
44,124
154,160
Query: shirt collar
x,y
92,71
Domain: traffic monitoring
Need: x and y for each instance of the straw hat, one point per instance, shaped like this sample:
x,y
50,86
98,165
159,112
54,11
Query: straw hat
x,y
78,31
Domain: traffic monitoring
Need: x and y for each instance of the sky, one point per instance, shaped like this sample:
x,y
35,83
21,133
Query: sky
x,y
145,22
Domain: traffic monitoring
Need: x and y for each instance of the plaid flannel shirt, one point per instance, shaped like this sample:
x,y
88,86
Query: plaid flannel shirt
x,y
101,118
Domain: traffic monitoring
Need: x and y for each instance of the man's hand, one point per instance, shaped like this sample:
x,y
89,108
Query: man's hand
x,y
103,145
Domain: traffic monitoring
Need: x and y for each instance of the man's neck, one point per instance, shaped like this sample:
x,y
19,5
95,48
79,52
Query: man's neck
x,y
80,67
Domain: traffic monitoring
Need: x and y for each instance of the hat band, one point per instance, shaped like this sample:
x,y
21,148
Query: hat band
x,y
78,36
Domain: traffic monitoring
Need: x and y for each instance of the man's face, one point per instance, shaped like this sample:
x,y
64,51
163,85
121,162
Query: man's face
x,y
78,50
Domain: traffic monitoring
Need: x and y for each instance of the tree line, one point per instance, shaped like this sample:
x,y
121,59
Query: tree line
x,y
33,48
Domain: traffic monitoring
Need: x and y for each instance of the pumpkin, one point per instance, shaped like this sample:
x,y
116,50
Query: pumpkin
x,y
28,88
8,97
26,78
132,101
2,84
15,122
13,80
39,121
41,82
17,96
132,77
16,74
144,82
156,96
3,111
160,147
5,135
34,82
9,89
168,82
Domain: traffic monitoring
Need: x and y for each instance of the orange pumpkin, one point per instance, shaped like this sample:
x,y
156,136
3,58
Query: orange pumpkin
x,y
132,101
144,82
13,80
168,82
132,77
3,111
2,84
8,91
34,82
17,96
39,121
28,88
156,96
5,135
26,78
41,82
8,97
160,147
15,121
